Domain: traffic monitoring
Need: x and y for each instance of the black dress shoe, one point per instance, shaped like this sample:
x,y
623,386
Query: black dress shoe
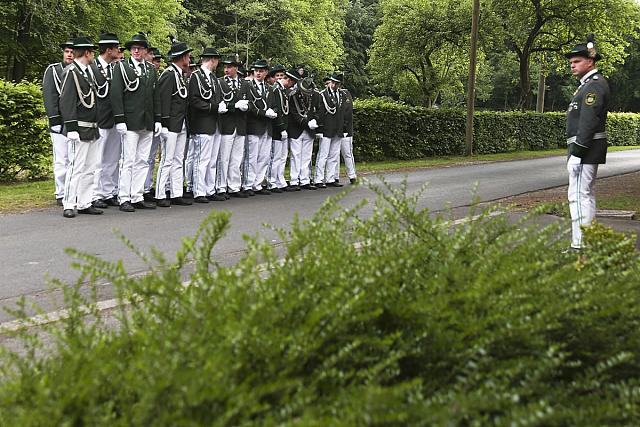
x,y
127,207
59,203
263,192
144,205
320,185
276,190
353,180
112,201
187,195
201,199
99,204
91,210
309,187
217,197
149,197
163,203
68,213
249,192
239,194
292,188
181,201
334,184
226,195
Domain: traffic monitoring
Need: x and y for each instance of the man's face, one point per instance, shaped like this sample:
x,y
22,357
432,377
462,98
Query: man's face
x,y
230,70
214,63
580,65
260,73
327,85
279,75
67,56
112,54
270,79
287,81
333,85
138,52
156,63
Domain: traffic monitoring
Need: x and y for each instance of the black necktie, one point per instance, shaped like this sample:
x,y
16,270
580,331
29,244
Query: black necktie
x,y
141,66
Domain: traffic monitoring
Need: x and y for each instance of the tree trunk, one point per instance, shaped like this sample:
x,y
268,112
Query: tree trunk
x,y
541,90
525,83
23,27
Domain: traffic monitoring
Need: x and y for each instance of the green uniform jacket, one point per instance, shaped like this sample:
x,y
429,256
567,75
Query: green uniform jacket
x,y
330,116
233,120
173,92
103,80
133,97
51,86
204,98
282,101
302,109
587,119
257,122
78,104
347,111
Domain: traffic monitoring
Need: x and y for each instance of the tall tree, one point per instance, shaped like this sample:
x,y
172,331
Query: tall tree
x,y
532,27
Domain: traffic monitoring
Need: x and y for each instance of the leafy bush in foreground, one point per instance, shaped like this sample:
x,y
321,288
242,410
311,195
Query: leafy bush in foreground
x,y
395,318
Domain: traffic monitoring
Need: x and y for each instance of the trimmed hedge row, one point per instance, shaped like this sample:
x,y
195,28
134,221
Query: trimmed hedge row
x,y
24,140
389,130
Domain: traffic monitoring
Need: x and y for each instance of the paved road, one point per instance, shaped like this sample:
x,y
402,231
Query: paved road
x,y
32,244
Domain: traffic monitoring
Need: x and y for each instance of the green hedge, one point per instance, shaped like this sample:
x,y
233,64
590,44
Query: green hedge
x,y
425,324
25,147
388,130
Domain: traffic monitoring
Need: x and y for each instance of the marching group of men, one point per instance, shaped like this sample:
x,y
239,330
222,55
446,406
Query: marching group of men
x,y
219,137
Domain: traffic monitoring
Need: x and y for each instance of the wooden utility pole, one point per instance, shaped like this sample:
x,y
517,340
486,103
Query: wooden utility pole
x,y
471,86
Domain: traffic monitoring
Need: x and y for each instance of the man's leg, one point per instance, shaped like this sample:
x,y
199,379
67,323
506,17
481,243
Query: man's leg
x,y
202,146
107,187
333,159
141,165
189,161
346,147
224,162
148,182
284,151
295,160
129,150
167,150
176,172
250,162
60,146
263,158
321,159
582,203
305,159
234,177
90,159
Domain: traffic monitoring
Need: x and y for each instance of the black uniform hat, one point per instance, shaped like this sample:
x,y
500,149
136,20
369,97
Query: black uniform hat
x,y
586,50
231,60
178,49
260,64
139,40
108,39
326,79
337,77
276,69
192,62
306,85
83,42
68,43
293,74
241,70
210,52
155,52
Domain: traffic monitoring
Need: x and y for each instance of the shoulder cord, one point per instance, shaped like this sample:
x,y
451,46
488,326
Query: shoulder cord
x,y
330,110
226,96
56,77
181,87
284,101
256,97
103,89
302,110
129,86
83,95
204,93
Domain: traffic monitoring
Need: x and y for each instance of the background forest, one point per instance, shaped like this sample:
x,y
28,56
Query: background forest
x,y
414,51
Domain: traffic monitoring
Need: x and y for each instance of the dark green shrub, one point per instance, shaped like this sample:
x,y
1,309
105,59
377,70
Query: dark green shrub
x,y
396,318
24,140
388,130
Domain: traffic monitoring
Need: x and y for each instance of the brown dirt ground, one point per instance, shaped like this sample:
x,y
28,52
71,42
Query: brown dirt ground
x,y
621,185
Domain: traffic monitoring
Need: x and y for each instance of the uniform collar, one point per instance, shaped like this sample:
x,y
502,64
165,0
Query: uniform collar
x,y
81,66
588,76
205,70
102,62
177,69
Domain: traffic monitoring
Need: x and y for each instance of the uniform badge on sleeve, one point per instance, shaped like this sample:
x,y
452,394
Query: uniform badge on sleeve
x,y
590,98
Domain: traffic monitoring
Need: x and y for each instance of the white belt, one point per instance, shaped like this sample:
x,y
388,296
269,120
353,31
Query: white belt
x,y
87,124
597,135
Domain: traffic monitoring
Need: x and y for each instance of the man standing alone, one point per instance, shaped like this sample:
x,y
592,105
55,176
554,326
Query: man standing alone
x,y
586,136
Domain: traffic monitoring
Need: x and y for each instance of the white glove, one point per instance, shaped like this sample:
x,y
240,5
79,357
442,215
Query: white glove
x,y
73,136
271,114
313,124
319,135
573,160
345,134
242,105
157,128
56,128
222,107
121,128
284,134
164,132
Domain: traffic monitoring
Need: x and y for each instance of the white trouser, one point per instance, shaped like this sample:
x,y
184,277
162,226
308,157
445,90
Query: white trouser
x,y
188,164
231,156
212,176
134,166
171,164
60,161
582,199
148,182
257,161
300,163
327,159
83,161
200,145
346,147
107,185
278,160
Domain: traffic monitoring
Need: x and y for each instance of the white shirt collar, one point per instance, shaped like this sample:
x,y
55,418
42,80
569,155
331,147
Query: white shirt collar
x,y
205,70
136,63
586,76
81,66
103,63
178,69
